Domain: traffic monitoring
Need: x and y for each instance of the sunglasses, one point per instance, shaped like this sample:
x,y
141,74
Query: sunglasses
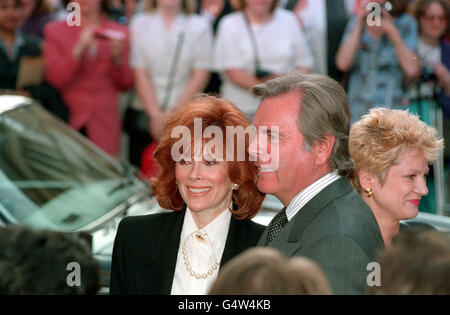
x,y
431,18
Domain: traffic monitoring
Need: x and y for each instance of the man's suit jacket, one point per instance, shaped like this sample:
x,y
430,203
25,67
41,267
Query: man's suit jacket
x,y
337,230
146,248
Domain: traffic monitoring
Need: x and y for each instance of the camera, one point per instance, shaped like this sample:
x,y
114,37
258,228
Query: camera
x,y
261,73
427,74
396,7
388,6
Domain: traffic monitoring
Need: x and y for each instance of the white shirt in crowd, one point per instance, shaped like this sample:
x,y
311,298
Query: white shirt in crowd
x,y
314,19
153,47
202,253
281,44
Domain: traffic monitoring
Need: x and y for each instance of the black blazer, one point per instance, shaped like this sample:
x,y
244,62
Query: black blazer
x,y
146,248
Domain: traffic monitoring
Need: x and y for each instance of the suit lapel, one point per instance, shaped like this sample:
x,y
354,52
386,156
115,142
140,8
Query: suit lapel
x,y
237,240
166,255
288,239
335,190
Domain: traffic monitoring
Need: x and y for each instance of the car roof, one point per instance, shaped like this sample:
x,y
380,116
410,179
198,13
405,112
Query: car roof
x,y
11,102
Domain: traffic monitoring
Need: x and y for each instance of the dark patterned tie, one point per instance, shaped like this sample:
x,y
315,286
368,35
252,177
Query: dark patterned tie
x,y
276,225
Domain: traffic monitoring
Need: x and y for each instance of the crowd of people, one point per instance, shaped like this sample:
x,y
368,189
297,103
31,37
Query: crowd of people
x,y
350,161
164,52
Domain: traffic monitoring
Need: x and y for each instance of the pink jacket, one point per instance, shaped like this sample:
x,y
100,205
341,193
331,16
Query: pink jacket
x,y
89,86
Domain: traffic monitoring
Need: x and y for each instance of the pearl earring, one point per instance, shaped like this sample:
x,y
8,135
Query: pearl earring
x,y
234,186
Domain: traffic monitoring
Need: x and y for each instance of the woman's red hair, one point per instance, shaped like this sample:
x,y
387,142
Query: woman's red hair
x,y
218,112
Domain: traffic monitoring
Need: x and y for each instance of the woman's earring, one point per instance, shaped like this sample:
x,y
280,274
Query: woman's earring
x,y
369,192
234,186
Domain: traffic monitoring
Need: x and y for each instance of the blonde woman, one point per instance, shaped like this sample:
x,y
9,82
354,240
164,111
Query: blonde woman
x,y
392,150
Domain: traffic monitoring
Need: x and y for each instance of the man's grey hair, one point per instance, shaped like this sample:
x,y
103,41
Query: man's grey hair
x,y
324,109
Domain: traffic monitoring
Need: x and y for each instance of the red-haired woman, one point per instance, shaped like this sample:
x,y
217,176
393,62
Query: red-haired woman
x,y
213,199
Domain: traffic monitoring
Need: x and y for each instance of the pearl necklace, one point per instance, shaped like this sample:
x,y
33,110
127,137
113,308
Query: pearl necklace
x,y
188,264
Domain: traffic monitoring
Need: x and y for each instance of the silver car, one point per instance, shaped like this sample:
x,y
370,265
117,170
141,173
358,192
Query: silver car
x,y
51,177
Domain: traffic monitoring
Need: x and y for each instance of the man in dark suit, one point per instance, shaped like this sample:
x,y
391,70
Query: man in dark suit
x,y
304,165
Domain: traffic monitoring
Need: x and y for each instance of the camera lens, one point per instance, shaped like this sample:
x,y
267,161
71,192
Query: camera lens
x,y
388,6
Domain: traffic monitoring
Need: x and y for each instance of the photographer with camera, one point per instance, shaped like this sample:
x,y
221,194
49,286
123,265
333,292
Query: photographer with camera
x,y
88,65
434,82
432,89
379,56
257,42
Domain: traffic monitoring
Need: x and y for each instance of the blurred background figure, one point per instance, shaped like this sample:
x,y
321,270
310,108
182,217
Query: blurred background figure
x,y
257,43
21,64
392,150
417,263
37,13
89,66
264,271
122,11
379,58
434,54
323,22
431,91
171,49
36,262
213,10
14,45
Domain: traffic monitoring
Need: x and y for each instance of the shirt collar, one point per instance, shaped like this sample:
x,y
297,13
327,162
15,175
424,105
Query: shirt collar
x,y
217,230
303,197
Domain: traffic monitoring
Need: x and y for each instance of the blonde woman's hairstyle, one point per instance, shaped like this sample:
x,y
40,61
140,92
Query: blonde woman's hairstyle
x,y
381,136
187,6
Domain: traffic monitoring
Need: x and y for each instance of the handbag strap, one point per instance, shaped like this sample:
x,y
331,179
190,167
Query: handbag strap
x,y
252,41
173,69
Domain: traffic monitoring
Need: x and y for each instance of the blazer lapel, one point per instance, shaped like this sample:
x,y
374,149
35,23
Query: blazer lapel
x,y
288,240
166,255
335,190
237,240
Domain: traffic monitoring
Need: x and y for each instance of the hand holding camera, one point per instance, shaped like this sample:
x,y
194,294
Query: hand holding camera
x,y
443,77
262,74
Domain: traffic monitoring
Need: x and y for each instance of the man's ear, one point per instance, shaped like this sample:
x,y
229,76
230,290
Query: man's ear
x,y
366,180
323,148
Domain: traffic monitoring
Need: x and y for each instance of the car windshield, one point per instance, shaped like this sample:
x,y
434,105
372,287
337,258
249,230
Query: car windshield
x,y
51,177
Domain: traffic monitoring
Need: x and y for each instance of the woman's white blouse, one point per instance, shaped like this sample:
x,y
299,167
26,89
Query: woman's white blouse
x,y
202,253
282,47
153,48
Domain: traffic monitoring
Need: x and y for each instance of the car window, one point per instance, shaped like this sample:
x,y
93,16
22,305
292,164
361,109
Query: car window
x,y
52,177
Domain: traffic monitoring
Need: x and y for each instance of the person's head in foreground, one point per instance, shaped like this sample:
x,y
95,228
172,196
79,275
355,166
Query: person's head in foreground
x,y
46,262
416,263
263,270
392,151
